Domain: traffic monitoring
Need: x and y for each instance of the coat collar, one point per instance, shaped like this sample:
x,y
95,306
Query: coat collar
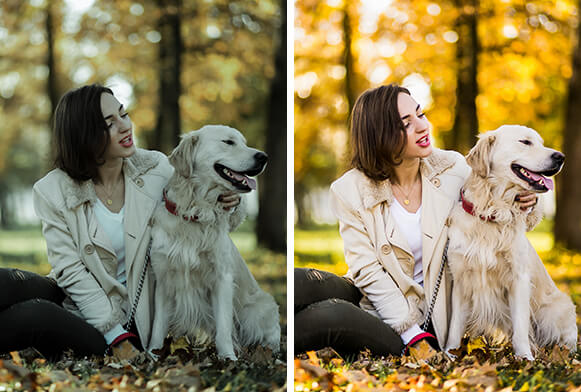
x,y
378,192
78,193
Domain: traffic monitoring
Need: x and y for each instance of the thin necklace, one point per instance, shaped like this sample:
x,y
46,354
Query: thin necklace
x,y
406,200
109,195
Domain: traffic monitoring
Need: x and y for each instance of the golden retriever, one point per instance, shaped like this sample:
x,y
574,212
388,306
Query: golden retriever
x,y
500,285
206,289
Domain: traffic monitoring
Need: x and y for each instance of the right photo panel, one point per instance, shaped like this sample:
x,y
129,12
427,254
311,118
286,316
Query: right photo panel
x,y
437,234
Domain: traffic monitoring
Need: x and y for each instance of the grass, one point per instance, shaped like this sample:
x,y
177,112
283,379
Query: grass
x,y
182,366
484,368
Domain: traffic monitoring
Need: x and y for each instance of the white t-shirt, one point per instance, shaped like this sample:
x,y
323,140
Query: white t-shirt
x,y
112,224
409,223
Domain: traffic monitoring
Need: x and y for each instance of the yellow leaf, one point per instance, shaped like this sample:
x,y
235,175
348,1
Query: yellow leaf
x,y
16,358
180,343
313,357
476,344
422,350
525,387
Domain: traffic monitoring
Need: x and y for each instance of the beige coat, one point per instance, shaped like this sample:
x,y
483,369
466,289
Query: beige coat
x,y
82,258
370,240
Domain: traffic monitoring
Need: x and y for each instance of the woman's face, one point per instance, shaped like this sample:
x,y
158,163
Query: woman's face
x,y
416,126
119,126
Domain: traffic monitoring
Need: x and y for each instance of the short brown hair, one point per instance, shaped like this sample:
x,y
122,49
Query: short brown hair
x,y
80,132
378,136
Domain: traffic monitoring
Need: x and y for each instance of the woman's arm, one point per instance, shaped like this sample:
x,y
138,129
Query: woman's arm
x,y
367,271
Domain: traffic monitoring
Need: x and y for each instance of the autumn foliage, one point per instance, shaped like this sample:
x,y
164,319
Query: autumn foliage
x,y
480,367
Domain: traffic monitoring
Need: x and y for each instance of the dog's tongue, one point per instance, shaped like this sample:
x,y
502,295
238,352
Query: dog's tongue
x,y
548,182
251,182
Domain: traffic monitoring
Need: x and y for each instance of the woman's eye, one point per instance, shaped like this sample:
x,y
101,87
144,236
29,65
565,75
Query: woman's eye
x,y
109,126
229,142
125,115
422,115
526,142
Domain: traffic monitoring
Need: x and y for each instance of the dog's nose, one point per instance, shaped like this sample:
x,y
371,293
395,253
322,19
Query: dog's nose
x,y
558,157
260,158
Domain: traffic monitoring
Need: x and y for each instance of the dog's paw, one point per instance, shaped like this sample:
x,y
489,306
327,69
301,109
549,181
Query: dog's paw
x,y
152,356
451,356
527,355
230,356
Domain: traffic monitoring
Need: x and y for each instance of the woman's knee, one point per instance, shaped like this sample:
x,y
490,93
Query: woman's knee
x,y
312,286
19,286
52,329
345,327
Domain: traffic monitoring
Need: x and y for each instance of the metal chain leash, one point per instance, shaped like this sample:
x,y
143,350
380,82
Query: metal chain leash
x,y
130,320
436,287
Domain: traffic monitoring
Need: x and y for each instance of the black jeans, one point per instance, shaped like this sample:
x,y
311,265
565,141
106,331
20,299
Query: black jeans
x,y
31,315
327,314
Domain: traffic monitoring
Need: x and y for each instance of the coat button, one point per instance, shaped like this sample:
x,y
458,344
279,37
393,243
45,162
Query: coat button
x,y
436,182
139,182
386,249
150,222
89,249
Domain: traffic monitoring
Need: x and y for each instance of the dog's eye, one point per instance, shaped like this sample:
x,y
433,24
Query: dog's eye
x,y
526,142
228,142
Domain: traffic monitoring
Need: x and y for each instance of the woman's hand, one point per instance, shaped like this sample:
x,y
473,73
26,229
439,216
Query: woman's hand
x,y
229,200
526,199
124,350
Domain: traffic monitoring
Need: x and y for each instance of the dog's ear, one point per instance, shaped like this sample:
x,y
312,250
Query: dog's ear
x,y
479,156
182,157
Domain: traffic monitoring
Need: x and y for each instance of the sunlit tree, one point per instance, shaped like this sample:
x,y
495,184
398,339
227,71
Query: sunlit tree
x,y
472,65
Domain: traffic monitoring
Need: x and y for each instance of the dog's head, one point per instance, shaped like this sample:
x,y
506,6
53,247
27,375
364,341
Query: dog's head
x,y
219,152
516,153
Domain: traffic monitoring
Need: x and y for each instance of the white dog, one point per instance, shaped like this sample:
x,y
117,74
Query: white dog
x,y
207,291
500,283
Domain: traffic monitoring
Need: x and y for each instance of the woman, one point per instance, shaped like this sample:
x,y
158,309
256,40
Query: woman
x,y
95,209
392,208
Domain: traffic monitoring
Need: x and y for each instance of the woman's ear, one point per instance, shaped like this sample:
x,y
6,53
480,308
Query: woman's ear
x,y
479,156
182,157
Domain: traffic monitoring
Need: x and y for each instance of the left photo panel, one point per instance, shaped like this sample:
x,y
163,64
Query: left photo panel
x,y
143,217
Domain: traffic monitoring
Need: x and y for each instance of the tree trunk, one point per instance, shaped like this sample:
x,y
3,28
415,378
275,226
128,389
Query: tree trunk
x,y
168,127
303,214
465,130
568,216
350,89
51,85
7,216
271,221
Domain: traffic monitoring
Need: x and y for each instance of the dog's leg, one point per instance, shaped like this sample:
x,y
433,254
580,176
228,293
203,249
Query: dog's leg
x,y
520,313
222,306
457,321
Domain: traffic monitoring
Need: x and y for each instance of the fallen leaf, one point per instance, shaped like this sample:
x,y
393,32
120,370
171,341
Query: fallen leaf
x,y
422,351
315,370
16,358
476,344
181,343
313,359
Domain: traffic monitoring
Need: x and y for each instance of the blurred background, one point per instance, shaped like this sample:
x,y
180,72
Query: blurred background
x,y
176,65
472,65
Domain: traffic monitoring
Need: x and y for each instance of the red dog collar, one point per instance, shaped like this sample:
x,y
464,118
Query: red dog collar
x,y
469,208
170,206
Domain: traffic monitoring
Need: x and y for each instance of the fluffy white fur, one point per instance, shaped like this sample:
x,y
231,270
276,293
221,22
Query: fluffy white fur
x,y
501,287
206,287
